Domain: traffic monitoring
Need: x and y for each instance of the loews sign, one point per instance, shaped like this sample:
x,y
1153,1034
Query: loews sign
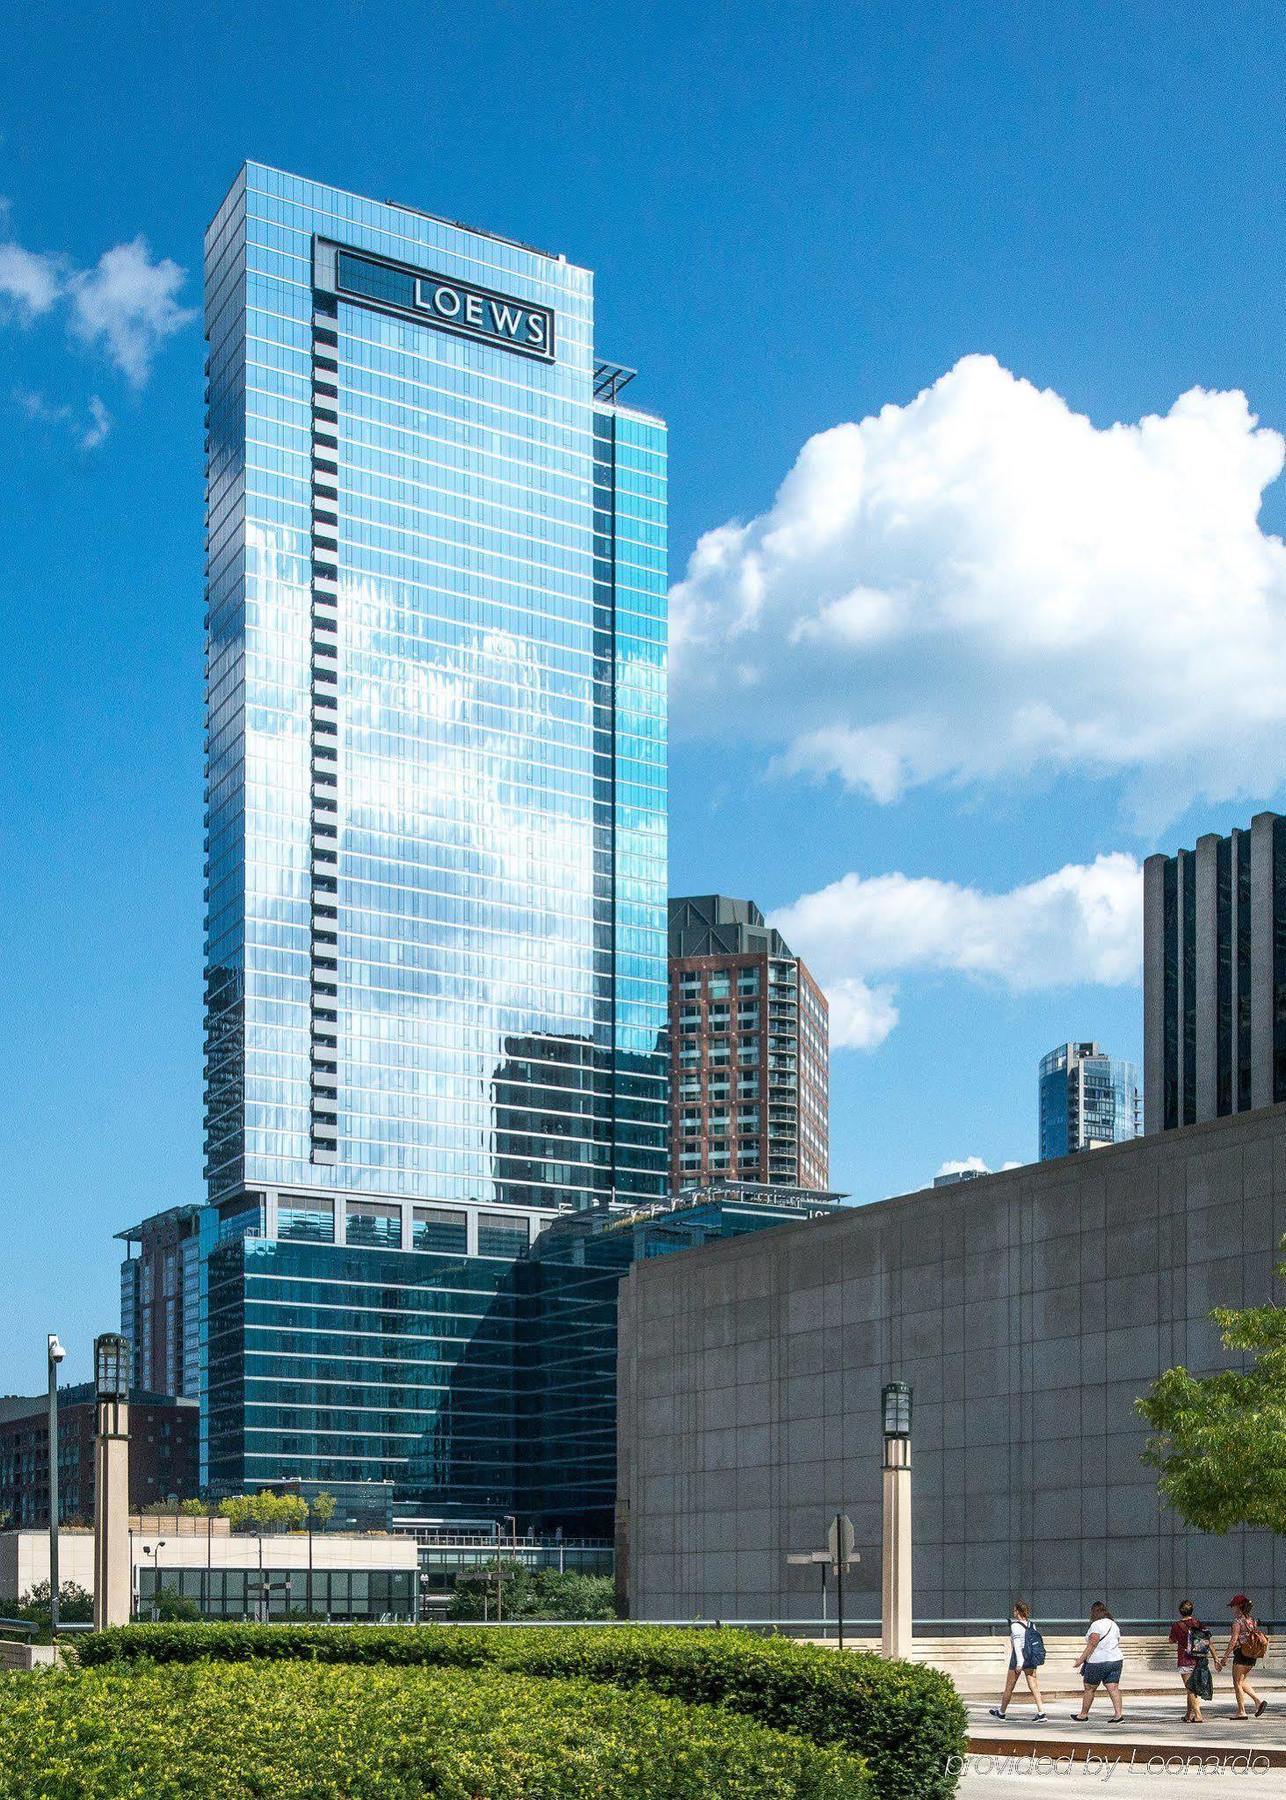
x,y
434,300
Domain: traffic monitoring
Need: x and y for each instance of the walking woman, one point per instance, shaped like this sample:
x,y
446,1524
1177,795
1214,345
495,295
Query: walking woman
x,y
1246,1644
1026,1652
1191,1641
1100,1662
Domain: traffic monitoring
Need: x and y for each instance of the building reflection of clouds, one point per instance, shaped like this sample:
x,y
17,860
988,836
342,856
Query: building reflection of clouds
x,y
465,796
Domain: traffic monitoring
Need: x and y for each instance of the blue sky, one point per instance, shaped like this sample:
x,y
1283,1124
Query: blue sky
x,y
798,215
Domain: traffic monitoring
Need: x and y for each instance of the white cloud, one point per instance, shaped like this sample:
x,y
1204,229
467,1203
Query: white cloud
x,y
89,433
972,1165
861,1016
983,585
31,283
128,304
1082,924
100,423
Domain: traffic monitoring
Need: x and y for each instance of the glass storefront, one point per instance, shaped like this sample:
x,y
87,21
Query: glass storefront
x,y
367,1594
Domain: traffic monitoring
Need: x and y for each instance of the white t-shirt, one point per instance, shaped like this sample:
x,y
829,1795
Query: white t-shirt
x,y
1018,1637
1108,1648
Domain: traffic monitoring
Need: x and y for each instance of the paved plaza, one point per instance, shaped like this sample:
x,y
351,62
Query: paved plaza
x,y
1151,1752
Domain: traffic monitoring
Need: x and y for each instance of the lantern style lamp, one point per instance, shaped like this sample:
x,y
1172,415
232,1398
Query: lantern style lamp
x,y
896,1620
113,1574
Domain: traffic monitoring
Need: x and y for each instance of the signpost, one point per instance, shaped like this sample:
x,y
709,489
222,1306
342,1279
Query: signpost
x,y
839,1541
839,1554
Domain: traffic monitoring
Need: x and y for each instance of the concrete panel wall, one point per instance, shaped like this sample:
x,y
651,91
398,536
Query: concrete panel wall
x,y
1028,1310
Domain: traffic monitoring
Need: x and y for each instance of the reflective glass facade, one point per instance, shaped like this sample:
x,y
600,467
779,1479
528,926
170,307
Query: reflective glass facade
x,y
436,825
1214,976
436,733
567,1392
1087,1099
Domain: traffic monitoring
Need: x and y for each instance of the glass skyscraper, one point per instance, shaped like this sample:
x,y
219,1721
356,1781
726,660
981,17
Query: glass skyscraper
x,y
1087,1099
436,825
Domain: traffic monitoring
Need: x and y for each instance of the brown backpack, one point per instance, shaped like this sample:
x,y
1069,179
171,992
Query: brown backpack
x,y
1253,1641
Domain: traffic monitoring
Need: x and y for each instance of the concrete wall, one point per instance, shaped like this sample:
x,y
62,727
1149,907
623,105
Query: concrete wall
x,y
24,1555
1028,1309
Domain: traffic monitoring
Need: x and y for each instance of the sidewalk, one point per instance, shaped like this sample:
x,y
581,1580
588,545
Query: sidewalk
x,y
1153,1726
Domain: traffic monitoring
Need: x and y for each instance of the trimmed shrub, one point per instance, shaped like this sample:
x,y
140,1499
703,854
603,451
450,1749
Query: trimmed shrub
x,y
905,1719
310,1733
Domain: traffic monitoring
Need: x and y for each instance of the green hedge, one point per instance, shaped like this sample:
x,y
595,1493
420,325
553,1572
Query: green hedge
x,y
906,1720
212,1732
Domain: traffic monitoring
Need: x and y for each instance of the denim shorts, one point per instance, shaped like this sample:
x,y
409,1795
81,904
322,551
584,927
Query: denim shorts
x,y
1096,1672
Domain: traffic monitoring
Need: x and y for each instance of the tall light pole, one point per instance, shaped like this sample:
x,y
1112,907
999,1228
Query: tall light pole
x,y
154,1551
512,1523
113,1557
895,1634
56,1354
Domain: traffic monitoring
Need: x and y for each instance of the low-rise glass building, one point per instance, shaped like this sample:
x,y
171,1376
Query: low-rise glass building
x,y
479,1381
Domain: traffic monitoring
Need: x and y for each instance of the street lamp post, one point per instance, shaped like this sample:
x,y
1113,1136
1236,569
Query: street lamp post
x,y
56,1354
512,1523
154,1551
896,1625
113,1557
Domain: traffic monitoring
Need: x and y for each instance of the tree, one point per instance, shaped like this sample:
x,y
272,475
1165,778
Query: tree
x,y
542,1594
237,1510
1219,1440
75,1604
323,1508
193,1509
168,1604
265,1510
474,1594
572,1595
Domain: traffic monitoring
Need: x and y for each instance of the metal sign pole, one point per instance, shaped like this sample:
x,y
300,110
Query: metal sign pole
x,y
839,1578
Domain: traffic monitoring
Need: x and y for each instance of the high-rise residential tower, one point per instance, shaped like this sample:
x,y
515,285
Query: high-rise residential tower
x,y
1214,976
1087,1099
436,817
749,1048
160,1310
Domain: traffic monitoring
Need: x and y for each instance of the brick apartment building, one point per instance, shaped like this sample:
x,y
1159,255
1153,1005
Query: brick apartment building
x,y
163,1454
749,1051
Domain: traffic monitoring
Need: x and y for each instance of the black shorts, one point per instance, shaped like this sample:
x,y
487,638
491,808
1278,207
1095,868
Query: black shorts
x,y
1243,1661
1105,1672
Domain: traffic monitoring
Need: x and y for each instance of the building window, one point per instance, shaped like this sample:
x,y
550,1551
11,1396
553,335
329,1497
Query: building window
x,y
1170,987
1242,840
1279,959
1189,939
1224,1043
311,1219
440,1228
500,1234
374,1222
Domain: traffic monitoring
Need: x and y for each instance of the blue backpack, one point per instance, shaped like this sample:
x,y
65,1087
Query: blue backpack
x,y
1033,1649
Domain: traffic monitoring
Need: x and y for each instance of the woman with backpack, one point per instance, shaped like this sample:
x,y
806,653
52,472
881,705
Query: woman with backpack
x,y
1247,1643
1101,1662
1192,1647
1026,1652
